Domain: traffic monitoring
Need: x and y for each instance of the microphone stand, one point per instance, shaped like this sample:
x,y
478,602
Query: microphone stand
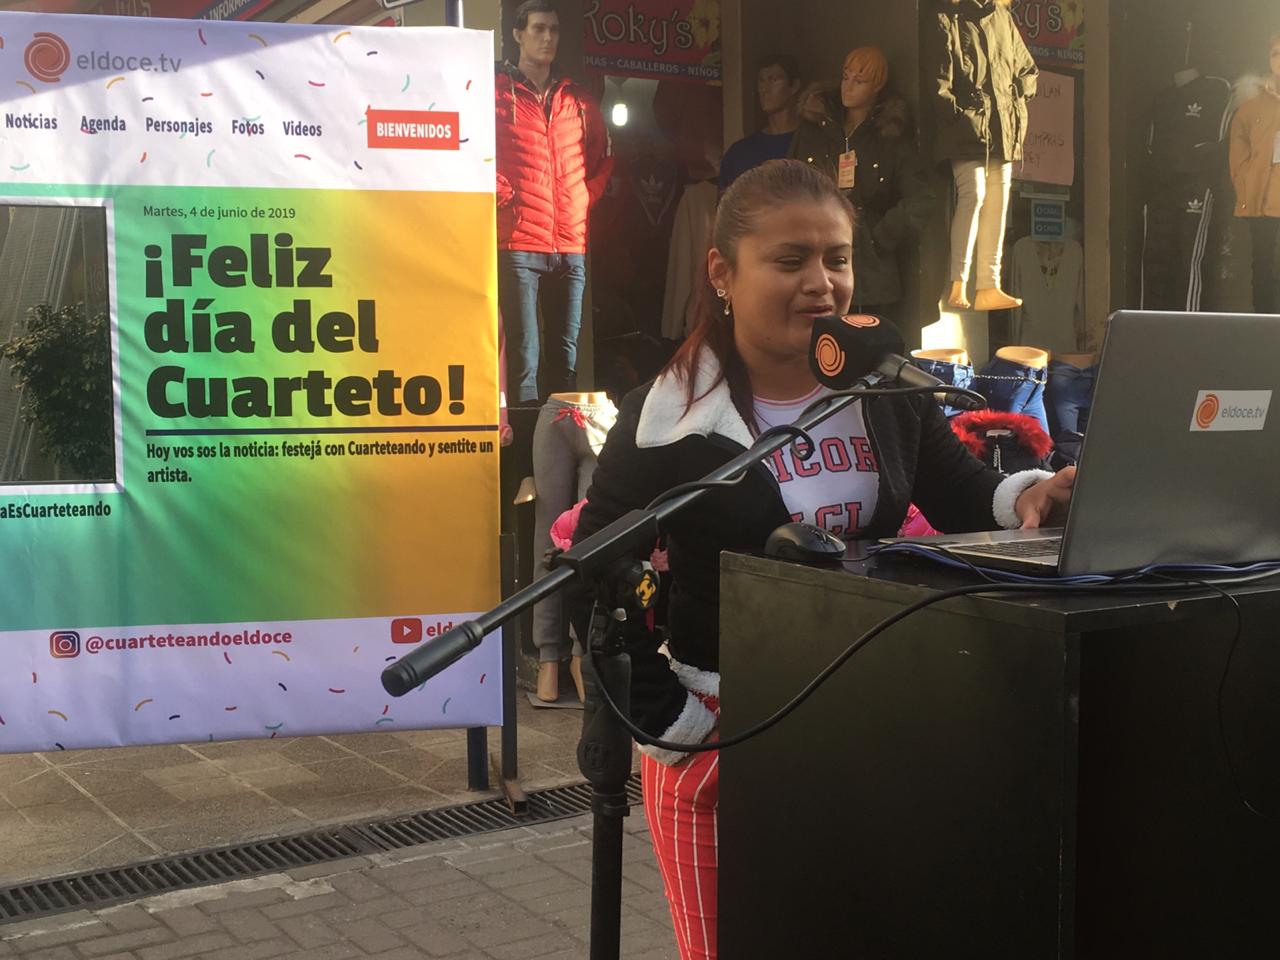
x,y
625,588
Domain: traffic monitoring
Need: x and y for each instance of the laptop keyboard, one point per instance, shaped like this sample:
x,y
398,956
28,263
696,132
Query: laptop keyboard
x,y
1045,546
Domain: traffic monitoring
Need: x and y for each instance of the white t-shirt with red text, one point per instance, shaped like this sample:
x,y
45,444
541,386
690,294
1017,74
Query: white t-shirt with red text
x,y
837,487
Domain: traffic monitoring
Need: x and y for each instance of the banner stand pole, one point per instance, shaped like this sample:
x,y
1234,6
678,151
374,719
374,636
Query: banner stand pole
x,y
509,772
453,13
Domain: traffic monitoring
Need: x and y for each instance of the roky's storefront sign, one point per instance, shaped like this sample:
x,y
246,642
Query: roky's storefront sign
x,y
663,39
1053,30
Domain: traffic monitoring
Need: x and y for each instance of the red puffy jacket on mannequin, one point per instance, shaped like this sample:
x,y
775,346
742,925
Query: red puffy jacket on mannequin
x,y
553,163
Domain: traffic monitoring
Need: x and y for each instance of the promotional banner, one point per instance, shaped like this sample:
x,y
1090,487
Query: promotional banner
x,y
1049,151
664,39
1053,30
248,398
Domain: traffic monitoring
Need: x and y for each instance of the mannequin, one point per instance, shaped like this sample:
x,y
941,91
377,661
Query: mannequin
x,y
778,87
1181,181
571,430
1255,174
1032,357
985,77
950,365
552,164
1068,400
1014,382
949,355
864,140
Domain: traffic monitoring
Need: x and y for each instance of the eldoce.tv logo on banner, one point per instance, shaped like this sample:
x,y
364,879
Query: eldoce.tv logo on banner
x,y
281,307
47,57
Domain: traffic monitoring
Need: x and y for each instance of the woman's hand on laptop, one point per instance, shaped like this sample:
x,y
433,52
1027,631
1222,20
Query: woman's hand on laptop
x,y
1046,503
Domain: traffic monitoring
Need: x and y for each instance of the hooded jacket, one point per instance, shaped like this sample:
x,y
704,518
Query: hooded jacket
x,y
657,444
1255,150
985,76
892,194
553,163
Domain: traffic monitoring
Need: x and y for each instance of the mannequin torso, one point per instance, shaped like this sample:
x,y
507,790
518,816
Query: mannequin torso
x,y
595,398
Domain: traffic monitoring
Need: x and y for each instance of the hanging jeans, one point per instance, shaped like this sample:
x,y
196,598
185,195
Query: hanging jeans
x,y
1068,400
557,279
1264,231
566,441
982,211
1014,388
953,374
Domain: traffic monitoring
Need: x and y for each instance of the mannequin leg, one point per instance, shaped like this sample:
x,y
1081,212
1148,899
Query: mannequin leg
x,y
520,275
1264,231
598,421
992,220
562,317
554,473
971,188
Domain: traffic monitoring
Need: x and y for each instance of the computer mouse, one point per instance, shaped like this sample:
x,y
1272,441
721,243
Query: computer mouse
x,y
804,543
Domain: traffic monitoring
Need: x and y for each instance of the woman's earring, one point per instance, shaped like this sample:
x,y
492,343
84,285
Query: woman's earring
x,y
723,295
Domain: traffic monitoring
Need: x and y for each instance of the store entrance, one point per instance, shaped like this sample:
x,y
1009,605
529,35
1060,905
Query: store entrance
x,y
650,232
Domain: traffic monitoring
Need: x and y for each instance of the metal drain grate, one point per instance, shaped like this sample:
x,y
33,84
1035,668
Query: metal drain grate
x,y
101,888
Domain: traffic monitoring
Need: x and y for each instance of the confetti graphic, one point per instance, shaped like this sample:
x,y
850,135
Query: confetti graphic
x,y
113,81
142,703
23,83
226,656
200,34
344,33
60,714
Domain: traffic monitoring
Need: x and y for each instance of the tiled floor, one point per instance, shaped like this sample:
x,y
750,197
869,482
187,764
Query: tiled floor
x,y
522,893
82,809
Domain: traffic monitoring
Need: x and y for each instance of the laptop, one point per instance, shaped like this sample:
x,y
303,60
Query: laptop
x,y
1181,459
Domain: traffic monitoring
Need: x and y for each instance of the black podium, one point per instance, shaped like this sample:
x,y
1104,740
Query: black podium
x,y
996,777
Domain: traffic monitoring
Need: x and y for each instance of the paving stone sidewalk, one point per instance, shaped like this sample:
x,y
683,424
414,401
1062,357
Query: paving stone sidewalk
x,y
501,896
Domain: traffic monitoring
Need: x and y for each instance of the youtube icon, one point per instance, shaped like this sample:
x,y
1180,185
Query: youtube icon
x,y
406,630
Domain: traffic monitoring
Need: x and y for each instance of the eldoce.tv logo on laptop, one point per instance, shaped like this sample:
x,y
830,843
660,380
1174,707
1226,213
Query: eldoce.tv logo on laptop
x,y
1221,410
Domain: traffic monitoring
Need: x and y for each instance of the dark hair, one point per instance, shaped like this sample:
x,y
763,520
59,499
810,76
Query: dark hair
x,y
762,188
533,6
790,66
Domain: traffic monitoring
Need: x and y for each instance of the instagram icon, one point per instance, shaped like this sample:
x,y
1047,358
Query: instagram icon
x,y
64,644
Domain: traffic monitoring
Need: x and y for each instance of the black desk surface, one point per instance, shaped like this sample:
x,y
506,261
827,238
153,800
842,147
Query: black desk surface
x,y
999,775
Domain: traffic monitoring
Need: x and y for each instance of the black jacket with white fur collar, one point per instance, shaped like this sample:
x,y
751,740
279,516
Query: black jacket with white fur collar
x,y
656,444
